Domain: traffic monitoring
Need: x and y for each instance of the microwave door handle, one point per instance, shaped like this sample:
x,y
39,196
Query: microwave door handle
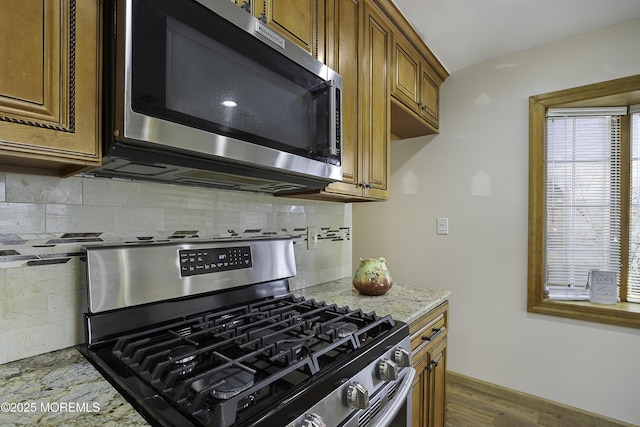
x,y
334,107
335,130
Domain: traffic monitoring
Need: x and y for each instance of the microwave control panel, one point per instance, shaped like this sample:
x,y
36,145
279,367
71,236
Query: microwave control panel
x,y
214,260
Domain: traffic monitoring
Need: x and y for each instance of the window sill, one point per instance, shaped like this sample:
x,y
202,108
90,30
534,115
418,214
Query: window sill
x,y
620,314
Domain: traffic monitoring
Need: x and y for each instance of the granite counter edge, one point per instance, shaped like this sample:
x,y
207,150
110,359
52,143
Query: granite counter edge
x,y
404,302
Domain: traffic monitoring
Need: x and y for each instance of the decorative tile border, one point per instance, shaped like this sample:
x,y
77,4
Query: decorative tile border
x,y
36,250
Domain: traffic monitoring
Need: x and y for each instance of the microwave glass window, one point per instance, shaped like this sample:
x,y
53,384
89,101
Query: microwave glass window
x,y
192,67
215,80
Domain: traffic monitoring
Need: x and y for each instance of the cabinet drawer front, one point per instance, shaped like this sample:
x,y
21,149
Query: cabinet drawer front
x,y
424,326
428,337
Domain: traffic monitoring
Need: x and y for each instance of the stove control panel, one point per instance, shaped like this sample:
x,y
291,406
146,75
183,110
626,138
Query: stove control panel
x,y
213,260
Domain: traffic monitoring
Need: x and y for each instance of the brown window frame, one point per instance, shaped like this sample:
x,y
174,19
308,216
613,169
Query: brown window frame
x,y
623,91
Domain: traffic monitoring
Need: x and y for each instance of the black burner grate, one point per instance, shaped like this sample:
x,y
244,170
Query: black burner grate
x,y
214,365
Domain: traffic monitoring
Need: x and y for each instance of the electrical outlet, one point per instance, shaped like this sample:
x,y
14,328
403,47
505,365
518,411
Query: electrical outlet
x,y
442,226
312,237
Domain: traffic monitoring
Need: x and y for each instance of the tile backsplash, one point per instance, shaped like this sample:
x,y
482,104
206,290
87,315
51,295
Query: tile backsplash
x,y
45,221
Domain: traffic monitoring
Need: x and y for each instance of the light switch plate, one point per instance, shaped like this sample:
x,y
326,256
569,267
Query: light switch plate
x,y
442,226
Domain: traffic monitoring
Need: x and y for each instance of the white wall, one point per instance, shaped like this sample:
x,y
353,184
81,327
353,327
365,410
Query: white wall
x,y
475,173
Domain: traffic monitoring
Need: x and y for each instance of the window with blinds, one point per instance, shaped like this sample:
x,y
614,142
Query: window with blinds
x,y
633,286
585,163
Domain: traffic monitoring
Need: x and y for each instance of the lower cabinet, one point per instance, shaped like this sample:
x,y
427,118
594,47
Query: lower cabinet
x,y
429,347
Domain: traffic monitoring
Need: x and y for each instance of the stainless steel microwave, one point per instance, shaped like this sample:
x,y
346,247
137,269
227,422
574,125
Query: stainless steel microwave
x,y
199,92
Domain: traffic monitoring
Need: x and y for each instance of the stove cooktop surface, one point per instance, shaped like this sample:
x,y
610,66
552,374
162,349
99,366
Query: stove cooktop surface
x,y
238,364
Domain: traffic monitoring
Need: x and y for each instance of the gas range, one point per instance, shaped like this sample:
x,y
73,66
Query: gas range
x,y
208,334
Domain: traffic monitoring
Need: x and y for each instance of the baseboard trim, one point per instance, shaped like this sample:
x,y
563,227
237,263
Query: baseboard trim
x,y
564,412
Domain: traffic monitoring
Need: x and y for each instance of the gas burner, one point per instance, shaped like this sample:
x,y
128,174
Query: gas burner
x,y
182,354
296,347
229,321
182,359
344,329
291,344
226,383
295,316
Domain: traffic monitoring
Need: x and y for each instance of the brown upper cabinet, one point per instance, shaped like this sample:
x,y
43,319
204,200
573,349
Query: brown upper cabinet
x,y
416,76
343,55
359,48
300,21
374,107
415,91
49,86
390,85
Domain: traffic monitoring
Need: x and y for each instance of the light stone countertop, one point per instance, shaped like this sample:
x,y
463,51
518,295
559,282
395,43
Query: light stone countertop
x,y
62,388
405,303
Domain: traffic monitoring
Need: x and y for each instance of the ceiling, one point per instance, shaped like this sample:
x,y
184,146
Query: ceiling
x,y
466,32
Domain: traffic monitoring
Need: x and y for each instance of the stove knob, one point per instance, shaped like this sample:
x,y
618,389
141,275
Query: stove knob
x,y
357,396
387,370
402,357
312,420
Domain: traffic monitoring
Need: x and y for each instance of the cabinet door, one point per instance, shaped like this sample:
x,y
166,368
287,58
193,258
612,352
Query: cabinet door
x,y
49,85
419,392
436,385
429,90
343,27
406,74
301,21
375,103
429,392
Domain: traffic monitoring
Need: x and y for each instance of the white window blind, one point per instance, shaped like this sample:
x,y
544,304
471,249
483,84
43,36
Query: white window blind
x,y
582,205
633,287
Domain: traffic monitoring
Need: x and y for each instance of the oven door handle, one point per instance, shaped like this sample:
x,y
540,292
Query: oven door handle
x,y
389,413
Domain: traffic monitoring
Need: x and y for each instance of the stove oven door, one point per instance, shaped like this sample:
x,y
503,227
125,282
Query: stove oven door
x,y
397,413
